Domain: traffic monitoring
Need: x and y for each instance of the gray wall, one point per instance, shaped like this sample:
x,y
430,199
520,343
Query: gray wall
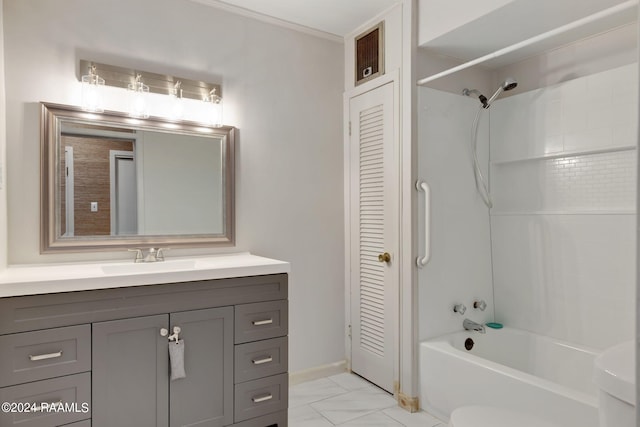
x,y
282,89
3,145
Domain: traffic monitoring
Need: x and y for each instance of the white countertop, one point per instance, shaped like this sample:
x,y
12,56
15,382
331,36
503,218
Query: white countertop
x,y
20,280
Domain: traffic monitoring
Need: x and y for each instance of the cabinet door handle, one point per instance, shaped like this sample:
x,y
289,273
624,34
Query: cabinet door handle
x,y
175,336
45,356
262,322
48,405
263,360
262,398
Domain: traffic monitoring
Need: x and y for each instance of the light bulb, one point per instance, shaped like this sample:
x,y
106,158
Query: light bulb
x,y
176,109
138,99
92,87
214,110
215,114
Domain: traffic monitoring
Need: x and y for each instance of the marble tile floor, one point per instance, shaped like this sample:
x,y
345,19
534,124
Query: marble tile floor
x,y
348,400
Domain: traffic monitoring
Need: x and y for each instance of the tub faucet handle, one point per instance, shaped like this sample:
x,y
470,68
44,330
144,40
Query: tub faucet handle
x,y
459,308
481,305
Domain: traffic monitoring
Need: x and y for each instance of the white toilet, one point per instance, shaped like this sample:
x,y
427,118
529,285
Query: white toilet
x,y
488,416
614,374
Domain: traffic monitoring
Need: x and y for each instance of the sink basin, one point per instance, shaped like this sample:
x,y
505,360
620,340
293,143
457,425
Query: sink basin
x,y
149,267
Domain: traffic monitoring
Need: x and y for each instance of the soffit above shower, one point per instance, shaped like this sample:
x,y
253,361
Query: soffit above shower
x,y
501,23
333,17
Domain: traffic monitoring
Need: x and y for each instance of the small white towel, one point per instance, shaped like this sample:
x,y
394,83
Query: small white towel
x,y
176,356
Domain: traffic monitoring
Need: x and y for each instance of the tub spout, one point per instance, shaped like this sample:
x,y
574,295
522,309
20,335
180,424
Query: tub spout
x,y
470,325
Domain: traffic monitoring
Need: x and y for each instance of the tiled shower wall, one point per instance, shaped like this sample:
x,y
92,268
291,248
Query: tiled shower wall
x,y
459,271
563,181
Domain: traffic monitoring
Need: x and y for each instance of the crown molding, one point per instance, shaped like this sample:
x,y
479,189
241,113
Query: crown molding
x,y
271,20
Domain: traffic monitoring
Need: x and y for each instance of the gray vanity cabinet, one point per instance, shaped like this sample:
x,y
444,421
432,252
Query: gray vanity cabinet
x,y
130,385
107,349
131,371
204,398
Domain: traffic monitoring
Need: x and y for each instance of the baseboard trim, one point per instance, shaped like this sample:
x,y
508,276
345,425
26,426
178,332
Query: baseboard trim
x,y
410,404
317,372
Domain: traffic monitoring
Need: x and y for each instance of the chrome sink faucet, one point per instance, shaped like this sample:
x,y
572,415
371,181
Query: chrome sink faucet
x,y
470,325
153,255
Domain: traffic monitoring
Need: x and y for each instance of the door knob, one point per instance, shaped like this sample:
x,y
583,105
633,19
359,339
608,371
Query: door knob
x,y
385,257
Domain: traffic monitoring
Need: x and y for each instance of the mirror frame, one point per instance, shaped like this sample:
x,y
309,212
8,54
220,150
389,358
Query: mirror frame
x,y
52,115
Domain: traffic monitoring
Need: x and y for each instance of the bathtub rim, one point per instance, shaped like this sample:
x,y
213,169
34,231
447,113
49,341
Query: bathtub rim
x,y
442,345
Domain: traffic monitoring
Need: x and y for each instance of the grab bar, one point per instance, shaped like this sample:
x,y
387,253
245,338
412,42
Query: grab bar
x,y
423,186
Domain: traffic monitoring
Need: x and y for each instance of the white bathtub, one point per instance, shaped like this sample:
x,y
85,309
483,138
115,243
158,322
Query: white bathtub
x,y
513,369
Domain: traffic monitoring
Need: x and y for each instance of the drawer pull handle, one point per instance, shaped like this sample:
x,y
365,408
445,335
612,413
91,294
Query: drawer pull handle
x,y
45,356
263,360
48,405
262,322
262,398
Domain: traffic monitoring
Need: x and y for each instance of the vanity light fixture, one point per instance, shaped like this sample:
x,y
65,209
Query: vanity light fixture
x,y
138,98
141,83
214,115
92,88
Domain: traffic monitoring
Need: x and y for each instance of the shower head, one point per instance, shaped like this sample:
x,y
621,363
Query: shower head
x,y
508,84
475,92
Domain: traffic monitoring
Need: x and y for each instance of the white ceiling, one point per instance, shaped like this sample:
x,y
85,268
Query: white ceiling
x,y
337,17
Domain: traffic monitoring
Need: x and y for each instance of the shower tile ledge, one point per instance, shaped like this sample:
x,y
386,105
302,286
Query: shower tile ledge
x,y
21,280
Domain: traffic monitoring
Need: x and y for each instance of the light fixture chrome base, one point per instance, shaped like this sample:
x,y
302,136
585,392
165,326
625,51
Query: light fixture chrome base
x,y
158,83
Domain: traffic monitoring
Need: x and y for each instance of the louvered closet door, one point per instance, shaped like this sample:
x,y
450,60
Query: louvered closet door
x,y
374,227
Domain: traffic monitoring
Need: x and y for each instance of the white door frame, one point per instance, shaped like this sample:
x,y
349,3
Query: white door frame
x,y
113,155
138,150
69,193
390,77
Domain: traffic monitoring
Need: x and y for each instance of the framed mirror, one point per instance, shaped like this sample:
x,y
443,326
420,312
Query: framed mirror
x,y
109,181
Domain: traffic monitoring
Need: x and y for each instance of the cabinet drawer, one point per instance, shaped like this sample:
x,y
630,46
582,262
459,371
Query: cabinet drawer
x,y
85,423
261,321
260,359
33,356
278,419
74,391
261,397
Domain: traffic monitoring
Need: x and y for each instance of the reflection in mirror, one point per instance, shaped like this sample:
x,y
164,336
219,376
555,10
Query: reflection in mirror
x,y
128,182
112,181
